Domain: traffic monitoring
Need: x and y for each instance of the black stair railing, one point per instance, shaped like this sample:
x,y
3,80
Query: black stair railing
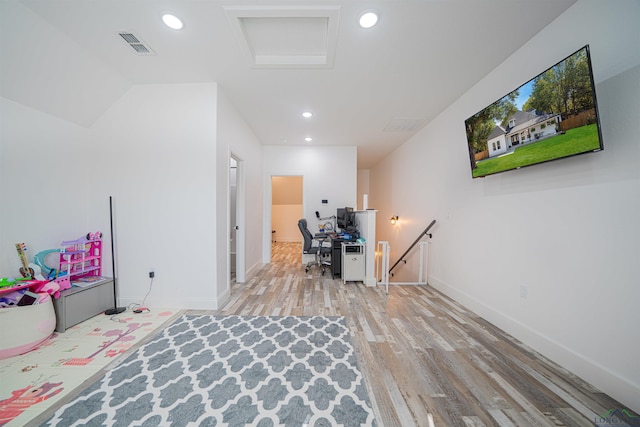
x,y
424,233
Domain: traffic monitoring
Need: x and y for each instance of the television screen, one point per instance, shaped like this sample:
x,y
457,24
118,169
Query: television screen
x,y
553,115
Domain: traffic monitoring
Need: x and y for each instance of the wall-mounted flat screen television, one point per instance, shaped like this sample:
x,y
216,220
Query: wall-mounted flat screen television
x,y
552,116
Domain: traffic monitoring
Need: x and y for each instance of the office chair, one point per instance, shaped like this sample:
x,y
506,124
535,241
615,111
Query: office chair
x,y
318,249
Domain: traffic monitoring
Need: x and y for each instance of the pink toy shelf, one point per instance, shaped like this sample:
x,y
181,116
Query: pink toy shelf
x,y
82,257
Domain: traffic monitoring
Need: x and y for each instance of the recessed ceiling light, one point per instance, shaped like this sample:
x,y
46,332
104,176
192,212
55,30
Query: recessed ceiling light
x,y
368,19
172,21
308,139
307,114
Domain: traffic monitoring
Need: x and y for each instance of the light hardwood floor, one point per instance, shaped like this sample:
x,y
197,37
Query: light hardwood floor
x,y
423,355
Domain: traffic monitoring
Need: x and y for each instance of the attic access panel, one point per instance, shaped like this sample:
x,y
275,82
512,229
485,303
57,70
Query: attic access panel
x,y
286,37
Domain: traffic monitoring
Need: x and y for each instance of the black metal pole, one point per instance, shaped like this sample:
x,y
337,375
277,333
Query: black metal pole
x,y
115,309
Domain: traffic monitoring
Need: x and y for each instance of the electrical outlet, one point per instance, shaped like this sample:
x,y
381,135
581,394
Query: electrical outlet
x,y
524,291
152,273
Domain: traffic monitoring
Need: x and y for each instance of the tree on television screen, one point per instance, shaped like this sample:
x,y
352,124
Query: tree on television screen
x,y
565,88
481,124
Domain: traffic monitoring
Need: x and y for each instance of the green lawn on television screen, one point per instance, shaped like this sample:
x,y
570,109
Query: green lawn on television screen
x,y
574,141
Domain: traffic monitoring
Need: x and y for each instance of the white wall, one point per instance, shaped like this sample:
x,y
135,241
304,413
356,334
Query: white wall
x,y
235,137
155,153
328,173
567,229
44,182
284,220
40,77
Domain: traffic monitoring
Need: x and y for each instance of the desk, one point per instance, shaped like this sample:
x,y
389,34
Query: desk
x,y
336,255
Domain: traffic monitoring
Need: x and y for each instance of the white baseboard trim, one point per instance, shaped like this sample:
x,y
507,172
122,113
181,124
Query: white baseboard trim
x,y
592,372
223,298
370,281
184,304
407,284
126,302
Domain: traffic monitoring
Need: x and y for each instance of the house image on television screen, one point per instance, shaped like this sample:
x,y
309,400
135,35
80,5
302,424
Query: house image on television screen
x,y
524,127
552,116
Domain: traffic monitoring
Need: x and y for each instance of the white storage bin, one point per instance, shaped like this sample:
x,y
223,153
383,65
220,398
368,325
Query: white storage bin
x,y
26,327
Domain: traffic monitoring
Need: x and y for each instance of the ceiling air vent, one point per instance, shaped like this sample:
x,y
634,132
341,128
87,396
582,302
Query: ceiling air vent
x,y
136,43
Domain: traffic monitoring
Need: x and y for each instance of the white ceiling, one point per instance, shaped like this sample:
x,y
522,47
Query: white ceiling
x,y
372,88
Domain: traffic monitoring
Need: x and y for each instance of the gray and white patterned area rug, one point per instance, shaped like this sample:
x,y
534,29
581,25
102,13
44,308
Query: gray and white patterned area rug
x,y
208,370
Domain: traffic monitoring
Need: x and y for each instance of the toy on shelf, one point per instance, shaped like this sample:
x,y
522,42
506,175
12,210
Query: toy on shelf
x,y
50,288
21,248
28,271
39,259
52,273
82,257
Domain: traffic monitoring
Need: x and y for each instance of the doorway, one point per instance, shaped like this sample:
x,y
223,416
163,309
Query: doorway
x,y
236,220
286,209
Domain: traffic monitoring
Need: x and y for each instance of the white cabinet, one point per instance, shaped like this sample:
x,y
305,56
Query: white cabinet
x,y
366,221
353,262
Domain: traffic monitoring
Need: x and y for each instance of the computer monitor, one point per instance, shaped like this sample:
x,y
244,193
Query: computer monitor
x,y
345,218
